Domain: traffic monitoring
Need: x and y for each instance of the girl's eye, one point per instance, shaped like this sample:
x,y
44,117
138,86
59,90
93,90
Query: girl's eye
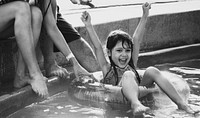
x,y
119,50
128,50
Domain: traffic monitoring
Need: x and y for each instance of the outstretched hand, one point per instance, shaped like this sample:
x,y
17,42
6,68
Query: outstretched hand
x,y
86,18
145,7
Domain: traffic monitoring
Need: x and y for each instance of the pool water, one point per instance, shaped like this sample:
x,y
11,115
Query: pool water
x,y
62,106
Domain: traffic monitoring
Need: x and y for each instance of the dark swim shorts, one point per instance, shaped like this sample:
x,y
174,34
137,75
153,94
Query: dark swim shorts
x,y
69,32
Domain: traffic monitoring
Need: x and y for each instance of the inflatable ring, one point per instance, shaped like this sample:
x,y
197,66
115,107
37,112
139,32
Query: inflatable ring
x,y
95,93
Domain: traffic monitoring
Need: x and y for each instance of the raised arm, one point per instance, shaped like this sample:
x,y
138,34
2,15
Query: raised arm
x,y
139,32
86,18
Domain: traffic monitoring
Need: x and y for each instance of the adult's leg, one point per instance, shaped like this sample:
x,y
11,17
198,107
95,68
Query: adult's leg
x,y
28,52
130,90
50,65
19,12
21,78
152,75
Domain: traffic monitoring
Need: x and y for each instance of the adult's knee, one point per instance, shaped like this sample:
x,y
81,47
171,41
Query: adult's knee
x,y
36,15
23,10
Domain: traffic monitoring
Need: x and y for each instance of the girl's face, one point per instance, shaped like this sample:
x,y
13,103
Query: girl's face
x,y
121,55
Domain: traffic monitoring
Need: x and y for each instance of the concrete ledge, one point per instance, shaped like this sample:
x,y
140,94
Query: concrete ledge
x,y
18,99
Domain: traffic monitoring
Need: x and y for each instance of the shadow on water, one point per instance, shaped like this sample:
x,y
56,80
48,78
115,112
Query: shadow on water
x,y
61,105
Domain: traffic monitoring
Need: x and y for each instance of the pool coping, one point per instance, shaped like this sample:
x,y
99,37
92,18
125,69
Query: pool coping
x,y
18,99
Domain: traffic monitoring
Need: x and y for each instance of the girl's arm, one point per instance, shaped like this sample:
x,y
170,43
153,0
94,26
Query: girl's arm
x,y
139,32
86,18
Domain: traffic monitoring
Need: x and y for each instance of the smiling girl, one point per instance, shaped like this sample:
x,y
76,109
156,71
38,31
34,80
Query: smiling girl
x,y
123,51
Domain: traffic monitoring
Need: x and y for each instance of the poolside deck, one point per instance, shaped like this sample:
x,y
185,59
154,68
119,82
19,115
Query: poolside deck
x,y
170,25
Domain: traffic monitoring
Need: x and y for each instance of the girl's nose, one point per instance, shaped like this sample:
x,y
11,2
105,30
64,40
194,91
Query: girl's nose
x,y
124,53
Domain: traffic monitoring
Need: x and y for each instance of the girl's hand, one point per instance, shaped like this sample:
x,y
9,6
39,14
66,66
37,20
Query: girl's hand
x,y
86,18
145,7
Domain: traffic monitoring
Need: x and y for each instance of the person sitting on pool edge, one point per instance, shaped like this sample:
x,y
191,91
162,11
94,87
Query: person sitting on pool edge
x,y
62,44
123,51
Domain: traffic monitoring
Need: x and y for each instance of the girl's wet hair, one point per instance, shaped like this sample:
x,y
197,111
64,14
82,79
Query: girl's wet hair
x,y
120,36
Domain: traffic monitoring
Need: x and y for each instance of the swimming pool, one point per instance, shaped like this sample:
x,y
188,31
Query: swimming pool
x,y
61,105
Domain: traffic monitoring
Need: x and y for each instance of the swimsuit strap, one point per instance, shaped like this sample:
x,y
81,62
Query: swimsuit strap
x,y
103,80
45,12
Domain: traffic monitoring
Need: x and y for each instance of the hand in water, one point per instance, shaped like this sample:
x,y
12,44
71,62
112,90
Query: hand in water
x,y
80,72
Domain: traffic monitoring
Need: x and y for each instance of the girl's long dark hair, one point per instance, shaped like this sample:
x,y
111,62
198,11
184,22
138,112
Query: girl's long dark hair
x,y
120,36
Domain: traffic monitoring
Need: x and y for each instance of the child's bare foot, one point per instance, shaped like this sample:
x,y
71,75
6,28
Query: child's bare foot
x,y
21,81
139,109
55,70
38,84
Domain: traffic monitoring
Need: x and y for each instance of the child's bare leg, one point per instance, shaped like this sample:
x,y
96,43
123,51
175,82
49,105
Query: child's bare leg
x,y
154,75
130,90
